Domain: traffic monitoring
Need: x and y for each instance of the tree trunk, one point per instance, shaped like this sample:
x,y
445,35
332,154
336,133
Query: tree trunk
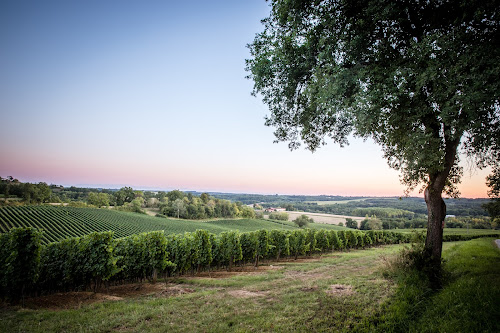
x,y
436,210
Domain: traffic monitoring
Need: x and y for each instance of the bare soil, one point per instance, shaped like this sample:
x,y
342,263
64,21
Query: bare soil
x,y
340,290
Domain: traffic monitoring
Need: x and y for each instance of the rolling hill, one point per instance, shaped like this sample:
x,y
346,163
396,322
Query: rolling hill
x,y
59,222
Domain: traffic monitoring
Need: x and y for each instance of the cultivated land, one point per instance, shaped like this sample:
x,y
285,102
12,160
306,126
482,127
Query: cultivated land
x,y
324,218
62,222
339,292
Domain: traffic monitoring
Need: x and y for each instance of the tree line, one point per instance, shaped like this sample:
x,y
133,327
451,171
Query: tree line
x,y
173,204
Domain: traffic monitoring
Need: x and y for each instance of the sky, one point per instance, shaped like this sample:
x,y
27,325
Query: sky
x,y
153,95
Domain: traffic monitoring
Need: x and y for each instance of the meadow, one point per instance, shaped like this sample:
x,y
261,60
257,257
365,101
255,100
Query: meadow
x,y
342,292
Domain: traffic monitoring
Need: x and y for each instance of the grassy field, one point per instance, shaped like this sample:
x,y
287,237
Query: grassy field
x,y
325,218
341,292
61,222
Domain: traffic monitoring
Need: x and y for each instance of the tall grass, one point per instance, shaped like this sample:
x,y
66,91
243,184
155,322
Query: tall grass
x,y
469,300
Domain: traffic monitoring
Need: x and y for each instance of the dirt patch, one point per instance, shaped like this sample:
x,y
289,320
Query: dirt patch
x,y
70,300
241,293
340,290
175,291
76,299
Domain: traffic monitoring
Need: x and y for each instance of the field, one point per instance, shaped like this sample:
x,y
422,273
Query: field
x,y
61,222
324,218
333,202
339,292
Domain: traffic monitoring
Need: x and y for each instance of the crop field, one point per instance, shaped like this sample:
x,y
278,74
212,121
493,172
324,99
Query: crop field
x,y
325,218
60,222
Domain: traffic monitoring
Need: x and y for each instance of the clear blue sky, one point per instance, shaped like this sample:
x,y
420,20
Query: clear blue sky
x,y
152,94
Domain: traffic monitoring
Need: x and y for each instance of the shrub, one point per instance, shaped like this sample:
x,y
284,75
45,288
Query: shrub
x,y
280,216
303,221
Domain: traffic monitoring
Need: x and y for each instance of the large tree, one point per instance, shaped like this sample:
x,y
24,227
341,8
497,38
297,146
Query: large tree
x,y
421,78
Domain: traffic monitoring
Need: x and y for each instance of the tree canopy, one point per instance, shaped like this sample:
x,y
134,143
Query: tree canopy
x,y
420,78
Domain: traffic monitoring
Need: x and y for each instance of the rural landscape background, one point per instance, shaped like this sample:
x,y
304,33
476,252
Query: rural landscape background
x,y
141,191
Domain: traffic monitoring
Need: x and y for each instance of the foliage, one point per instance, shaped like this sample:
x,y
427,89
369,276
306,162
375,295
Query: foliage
x,y
280,243
420,79
230,248
142,256
351,223
19,262
249,244
310,241
328,68
124,195
334,240
297,243
471,222
98,199
302,221
343,239
322,242
79,262
280,216
262,245
371,223
189,206
351,239
202,249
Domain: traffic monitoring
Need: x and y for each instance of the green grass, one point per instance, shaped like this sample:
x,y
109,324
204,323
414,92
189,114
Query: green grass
x,y
467,302
294,297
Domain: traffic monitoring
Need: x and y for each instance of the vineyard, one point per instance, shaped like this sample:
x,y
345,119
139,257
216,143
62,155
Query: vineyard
x,y
58,223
